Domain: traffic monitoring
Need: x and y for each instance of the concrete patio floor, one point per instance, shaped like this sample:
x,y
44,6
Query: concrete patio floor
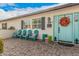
x,y
18,47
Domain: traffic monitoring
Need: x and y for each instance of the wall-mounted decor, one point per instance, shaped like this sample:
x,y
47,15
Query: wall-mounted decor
x,y
64,21
76,18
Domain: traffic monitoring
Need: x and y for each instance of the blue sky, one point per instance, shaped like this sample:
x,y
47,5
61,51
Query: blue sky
x,y
8,10
8,7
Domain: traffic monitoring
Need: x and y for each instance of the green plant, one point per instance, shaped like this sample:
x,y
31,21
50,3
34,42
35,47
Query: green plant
x,y
11,28
49,39
1,45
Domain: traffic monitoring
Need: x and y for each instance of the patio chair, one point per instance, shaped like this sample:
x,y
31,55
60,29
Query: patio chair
x,y
14,35
19,32
24,34
35,35
29,34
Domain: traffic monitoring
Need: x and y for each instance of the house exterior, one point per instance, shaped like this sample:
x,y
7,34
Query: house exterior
x,y
61,22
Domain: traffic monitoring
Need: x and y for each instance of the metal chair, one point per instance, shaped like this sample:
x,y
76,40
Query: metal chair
x,y
19,32
34,36
24,34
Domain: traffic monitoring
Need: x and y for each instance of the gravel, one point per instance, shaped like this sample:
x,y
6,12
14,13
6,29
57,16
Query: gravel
x,y
18,47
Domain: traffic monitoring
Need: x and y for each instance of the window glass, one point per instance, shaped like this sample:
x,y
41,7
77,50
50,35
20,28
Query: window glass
x,y
49,24
36,23
27,24
4,25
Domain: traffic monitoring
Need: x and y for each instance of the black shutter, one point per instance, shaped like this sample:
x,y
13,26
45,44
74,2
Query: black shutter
x,y
22,24
43,23
6,25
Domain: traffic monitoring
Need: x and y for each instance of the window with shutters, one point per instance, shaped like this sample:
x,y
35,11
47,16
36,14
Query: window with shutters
x,y
4,26
36,23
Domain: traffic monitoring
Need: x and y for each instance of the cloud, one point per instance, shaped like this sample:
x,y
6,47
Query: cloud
x,y
2,11
20,11
11,4
4,4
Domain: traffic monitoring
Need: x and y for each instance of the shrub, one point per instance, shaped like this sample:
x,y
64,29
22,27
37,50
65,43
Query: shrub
x,y
1,45
49,39
11,28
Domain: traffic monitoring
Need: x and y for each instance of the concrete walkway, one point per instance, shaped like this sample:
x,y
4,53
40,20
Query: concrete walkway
x,y
18,47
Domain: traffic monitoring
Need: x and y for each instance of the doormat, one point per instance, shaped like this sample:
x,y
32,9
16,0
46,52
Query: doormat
x,y
66,44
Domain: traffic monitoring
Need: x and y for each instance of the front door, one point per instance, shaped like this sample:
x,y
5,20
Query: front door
x,y
64,28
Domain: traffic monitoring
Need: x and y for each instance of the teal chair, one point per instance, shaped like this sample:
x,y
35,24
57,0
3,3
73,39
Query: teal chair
x,y
44,36
29,33
36,33
19,33
14,35
24,34
34,37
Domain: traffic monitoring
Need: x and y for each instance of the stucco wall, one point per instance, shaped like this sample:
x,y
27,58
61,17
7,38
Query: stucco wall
x,y
6,33
17,22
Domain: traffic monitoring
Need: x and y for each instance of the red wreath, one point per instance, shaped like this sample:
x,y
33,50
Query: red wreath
x,y
64,21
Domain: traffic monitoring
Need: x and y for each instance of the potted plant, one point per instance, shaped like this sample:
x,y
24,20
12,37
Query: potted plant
x,y
49,39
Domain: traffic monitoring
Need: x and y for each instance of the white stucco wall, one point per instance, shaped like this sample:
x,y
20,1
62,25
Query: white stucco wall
x,y
17,22
6,33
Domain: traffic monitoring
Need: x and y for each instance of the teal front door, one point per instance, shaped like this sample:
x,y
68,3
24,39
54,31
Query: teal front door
x,y
64,29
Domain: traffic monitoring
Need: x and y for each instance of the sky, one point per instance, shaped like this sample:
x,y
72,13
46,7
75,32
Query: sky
x,y
8,10
10,6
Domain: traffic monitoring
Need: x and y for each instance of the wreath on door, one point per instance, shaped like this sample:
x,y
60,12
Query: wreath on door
x,y
64,21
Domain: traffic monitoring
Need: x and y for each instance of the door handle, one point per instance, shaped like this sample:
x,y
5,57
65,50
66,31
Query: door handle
x,y
58,29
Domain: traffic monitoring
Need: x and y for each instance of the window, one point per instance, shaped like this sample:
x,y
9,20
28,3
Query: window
x,y
36,23
39,23
27,24
4,25
49,24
